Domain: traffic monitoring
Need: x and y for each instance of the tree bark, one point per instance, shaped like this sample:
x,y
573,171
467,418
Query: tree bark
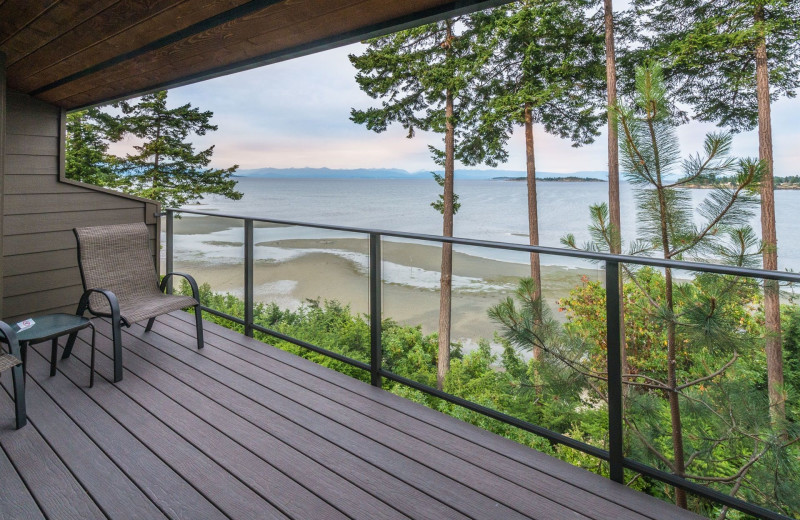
x,y
614,210
613,138
533,214
772,304
678,455
443,363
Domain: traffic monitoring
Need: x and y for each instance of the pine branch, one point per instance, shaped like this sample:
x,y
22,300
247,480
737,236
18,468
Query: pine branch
x,y
711,225
725,367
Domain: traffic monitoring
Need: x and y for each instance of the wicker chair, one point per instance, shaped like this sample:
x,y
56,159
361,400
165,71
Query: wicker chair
x,y
13,361
120,283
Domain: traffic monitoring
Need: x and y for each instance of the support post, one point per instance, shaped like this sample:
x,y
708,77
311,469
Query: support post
x,y
170,247
248,277
614,360
375,311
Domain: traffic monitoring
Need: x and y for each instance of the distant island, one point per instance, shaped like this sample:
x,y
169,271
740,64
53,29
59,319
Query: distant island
x,y
791,182
397,173
569,178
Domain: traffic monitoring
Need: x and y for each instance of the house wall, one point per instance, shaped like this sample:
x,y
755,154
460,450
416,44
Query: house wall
x,y
40,207
2,155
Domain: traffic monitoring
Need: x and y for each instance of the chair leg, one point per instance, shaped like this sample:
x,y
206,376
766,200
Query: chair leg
x,y
198,317
53,354
83,305
91,365
69,345
117,337
19,396
149,324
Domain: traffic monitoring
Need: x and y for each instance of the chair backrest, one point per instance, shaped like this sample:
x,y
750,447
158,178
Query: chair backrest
x,y
117,258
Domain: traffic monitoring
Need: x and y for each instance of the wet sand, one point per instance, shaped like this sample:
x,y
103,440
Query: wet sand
x,y
331,276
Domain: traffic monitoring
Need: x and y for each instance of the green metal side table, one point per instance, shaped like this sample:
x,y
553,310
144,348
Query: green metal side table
x,y
51,327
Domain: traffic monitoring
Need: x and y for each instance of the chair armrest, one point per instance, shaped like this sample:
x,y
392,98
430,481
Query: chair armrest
x,y
189,278
112,302
11,339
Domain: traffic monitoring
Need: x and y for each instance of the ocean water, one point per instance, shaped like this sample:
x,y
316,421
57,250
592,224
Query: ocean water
x,y
490,210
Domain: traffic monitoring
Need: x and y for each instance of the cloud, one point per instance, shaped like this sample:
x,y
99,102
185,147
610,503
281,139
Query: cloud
x,y
296,113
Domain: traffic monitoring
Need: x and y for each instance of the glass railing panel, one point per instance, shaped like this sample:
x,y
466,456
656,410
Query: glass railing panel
x,y
211,249
710,418
411,273
313,284
519,351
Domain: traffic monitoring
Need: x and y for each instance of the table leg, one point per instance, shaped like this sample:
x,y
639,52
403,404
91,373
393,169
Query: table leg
x,y
23,350
53,353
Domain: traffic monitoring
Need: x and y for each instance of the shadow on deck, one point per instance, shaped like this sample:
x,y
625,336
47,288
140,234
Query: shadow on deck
x,y
243,430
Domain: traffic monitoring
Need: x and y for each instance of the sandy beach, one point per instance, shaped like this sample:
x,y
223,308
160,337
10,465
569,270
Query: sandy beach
x,y
288,272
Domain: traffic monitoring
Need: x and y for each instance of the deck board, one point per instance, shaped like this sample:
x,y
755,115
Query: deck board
x,y
243,430
15,500
50,481
115,494
165,487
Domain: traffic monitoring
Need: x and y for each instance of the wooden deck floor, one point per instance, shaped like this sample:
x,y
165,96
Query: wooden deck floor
x,y
242,430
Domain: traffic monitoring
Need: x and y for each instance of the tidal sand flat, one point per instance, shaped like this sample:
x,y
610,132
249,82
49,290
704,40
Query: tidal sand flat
x,y
290,271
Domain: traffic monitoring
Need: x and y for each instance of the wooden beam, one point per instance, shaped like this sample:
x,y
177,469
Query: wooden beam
x,y
123,28
147,44
275,34
62,18
16,15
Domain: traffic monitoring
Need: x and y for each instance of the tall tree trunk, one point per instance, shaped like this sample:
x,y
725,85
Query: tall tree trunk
x,y
443,364
533,214
678,456
614,211
674,403
613,138
772,304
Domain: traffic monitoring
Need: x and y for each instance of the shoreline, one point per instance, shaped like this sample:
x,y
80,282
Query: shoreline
x,y
333,269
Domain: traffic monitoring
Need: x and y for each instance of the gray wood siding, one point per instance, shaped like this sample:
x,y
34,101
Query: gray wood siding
x,y
39,209
2,162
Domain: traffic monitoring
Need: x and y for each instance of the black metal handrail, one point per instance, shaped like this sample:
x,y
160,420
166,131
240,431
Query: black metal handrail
x,y
615,454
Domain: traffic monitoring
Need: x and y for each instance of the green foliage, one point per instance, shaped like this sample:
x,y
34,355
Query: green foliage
x,y
438,204
724,417
696,400
728,435
708,49
791,354
87,157
545,56
652,162
165,166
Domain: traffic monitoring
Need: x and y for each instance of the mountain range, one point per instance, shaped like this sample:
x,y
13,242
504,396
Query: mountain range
x,y
394,173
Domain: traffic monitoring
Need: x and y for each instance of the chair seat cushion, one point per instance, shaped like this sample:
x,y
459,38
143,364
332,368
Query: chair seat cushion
x,y
145,307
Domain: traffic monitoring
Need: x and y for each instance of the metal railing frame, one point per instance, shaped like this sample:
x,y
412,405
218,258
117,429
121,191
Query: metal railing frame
x,y
615,454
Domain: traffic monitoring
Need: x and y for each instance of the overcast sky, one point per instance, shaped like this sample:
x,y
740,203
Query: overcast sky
x,y
296,114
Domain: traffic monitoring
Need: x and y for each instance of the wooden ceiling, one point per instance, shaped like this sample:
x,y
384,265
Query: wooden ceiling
x,y
77,53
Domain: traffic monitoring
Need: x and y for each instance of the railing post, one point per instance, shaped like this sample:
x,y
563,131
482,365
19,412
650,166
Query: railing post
x,y
614,360
375,312
170,247
248,277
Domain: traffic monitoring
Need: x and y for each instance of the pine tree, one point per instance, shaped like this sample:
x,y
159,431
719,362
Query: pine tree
x,y
694,406
543,66
166,166
652,163
89,133
729,59
424,78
